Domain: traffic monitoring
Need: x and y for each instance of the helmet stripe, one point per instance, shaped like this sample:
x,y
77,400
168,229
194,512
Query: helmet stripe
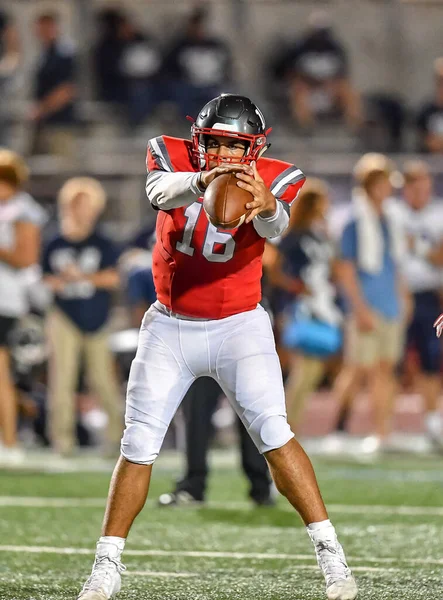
x,y
261,117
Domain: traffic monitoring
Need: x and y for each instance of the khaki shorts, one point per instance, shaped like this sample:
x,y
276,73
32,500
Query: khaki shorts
x,y
384,343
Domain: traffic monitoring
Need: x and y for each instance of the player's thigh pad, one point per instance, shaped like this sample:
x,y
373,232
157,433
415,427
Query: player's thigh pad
x,y
157,383
249,371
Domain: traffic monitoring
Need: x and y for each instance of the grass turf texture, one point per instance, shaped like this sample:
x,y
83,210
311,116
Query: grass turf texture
x,y
241,553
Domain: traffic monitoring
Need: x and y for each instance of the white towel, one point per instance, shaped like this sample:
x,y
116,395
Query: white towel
x,y
370,240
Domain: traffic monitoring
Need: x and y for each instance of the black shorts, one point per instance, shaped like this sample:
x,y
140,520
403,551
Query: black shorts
x,y
421,332
7,324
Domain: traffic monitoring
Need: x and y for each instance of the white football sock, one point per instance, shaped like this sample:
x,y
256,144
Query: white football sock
x,y
111,546
323,530
433,423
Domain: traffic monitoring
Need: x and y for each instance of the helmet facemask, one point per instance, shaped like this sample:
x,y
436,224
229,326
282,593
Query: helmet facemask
x,y
255,146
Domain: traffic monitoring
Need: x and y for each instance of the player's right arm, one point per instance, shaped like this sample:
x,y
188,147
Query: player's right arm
x,y
168,187
172,190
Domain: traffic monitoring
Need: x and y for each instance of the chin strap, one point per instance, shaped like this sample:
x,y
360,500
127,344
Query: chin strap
x,y
263,150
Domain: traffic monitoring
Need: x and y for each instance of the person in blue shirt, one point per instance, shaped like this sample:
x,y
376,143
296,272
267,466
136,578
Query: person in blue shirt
x,y
79,266
377,301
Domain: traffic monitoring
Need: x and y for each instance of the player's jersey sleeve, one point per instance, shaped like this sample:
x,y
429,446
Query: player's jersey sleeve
x,y
172,181
158,157
287,184
169,154
284,181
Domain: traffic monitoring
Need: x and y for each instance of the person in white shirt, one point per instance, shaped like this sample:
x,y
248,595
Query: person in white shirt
x,y
20,222
423,271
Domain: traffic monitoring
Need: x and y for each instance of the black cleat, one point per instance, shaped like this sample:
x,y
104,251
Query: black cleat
x,y
266,501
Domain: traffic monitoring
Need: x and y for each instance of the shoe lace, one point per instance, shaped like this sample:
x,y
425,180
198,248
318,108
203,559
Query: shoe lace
x,y
102,573
332,561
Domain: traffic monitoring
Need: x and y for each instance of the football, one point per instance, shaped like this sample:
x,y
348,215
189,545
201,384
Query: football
x,y
225,203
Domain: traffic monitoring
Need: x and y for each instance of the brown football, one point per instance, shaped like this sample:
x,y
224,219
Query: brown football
x,y
225,203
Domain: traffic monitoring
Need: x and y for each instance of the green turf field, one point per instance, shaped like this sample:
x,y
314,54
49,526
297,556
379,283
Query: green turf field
x,y
389,516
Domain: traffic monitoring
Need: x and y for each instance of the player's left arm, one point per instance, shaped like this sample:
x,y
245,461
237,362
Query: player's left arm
x,y
270,212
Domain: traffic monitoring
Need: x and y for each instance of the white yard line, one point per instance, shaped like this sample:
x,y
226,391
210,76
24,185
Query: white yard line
x,y
358,569
208,554
376,509
167,575
368,509
39,502
164,574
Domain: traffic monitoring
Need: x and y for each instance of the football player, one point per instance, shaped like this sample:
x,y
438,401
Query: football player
x,y
207,320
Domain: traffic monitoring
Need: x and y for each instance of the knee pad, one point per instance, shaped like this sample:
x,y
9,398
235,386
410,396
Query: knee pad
x,y
140,444
273,432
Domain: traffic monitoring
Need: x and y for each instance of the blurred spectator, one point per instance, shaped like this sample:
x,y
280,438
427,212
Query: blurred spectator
x,y
424,225
275,300
385,120
55,91
29,353
198,66
107,56
20,221
140,66
303,267
137,266
10,56
371,248
127,64
199,406
430,119
79,265
317,73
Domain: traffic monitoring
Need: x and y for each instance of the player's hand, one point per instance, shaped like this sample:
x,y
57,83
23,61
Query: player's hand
x,y
439,325
366,319
208,177
264,203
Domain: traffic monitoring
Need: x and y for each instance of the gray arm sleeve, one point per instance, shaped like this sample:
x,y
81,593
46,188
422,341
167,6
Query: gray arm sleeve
x,y
171,190
273,226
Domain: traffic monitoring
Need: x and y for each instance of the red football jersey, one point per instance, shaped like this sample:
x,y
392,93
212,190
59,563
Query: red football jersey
x,y
200,270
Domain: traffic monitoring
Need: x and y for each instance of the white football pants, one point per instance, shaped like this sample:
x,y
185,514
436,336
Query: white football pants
x,y
238,352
